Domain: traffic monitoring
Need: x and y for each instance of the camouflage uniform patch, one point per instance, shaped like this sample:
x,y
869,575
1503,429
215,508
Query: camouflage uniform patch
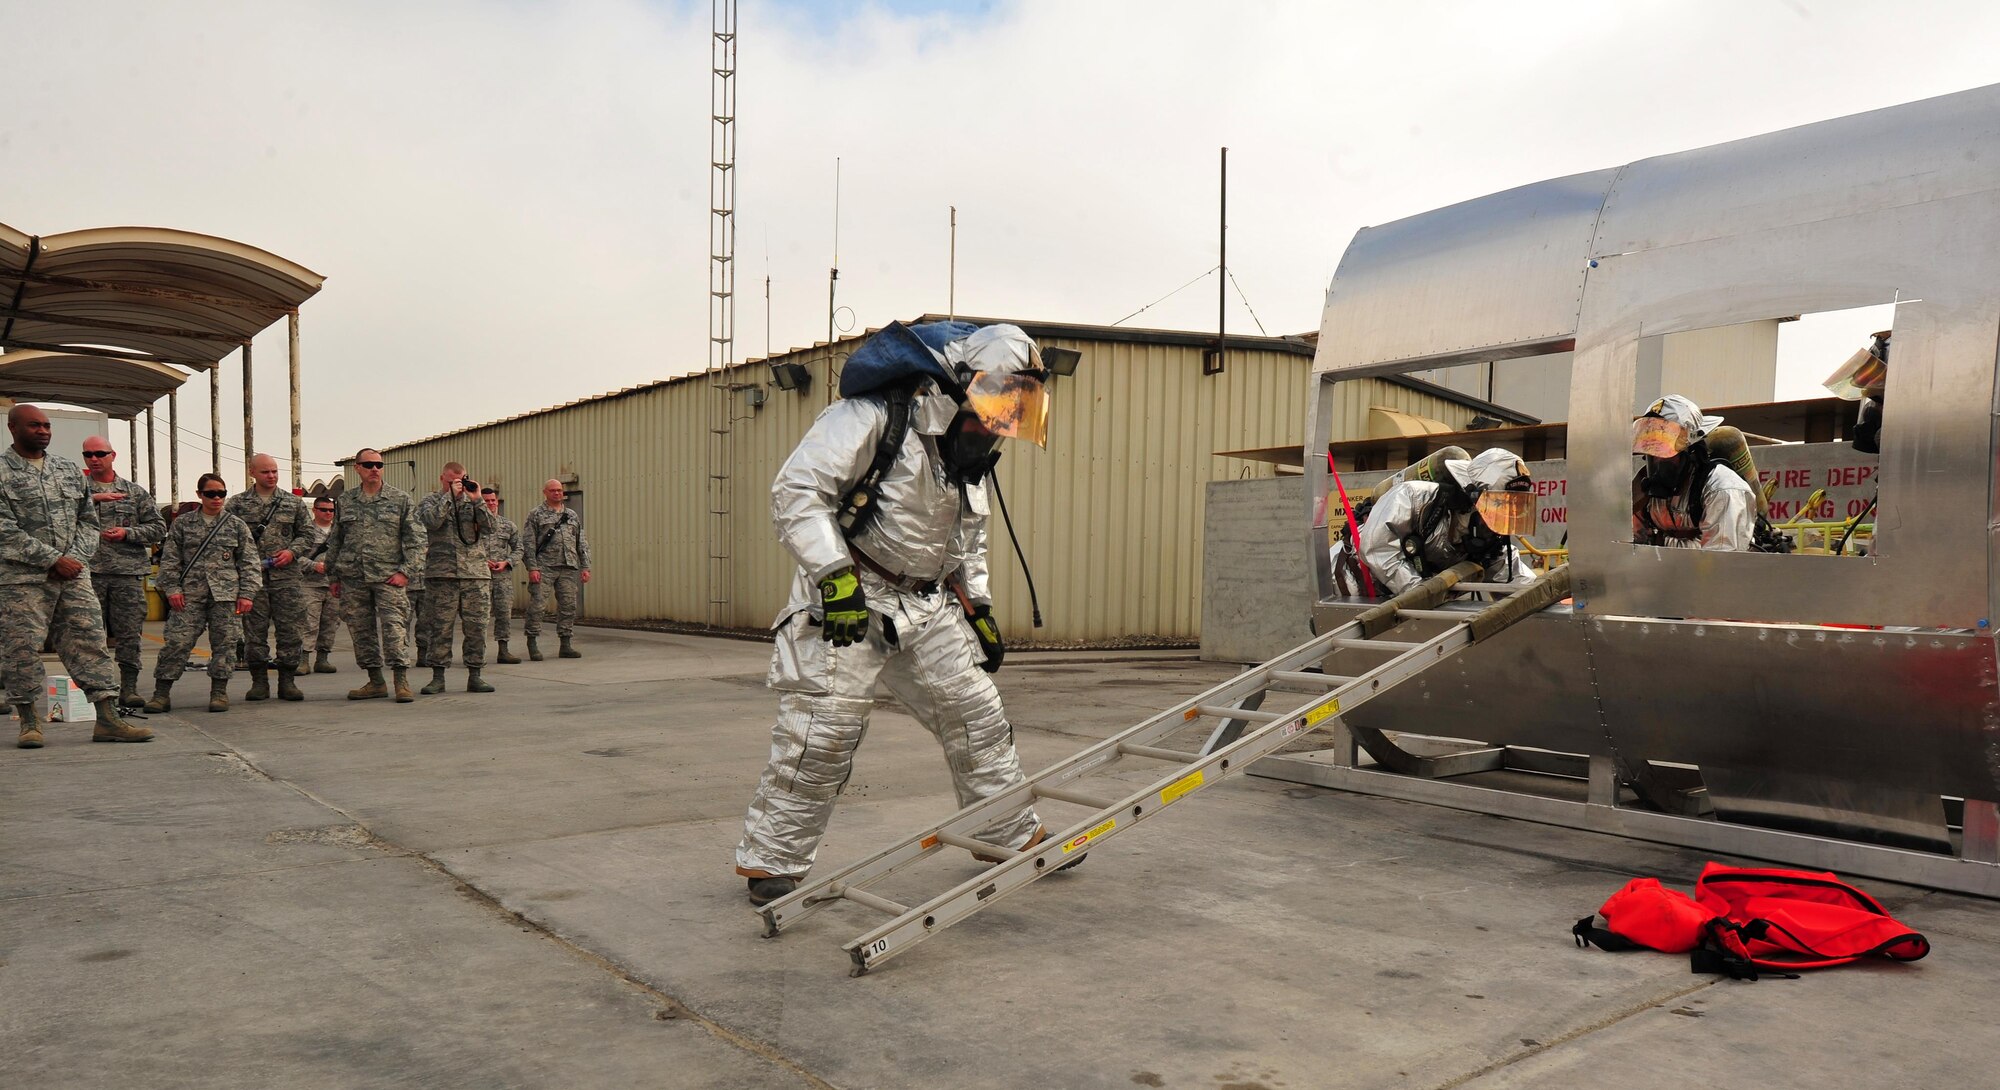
x,y
118,571
322,610
213,563
553,543
279,522
46,515
504,546
373,538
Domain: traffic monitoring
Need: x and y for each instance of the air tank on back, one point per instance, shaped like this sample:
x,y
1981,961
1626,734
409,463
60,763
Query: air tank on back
x,y
1727,445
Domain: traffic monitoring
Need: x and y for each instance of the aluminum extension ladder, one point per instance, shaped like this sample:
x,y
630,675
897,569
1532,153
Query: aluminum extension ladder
x,y
1231,749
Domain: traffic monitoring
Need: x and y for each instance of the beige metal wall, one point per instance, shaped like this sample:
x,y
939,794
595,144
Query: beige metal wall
x,y
1110,515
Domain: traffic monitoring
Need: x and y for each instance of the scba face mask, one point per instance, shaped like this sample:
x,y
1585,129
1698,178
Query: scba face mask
x,y
1663,476
969,448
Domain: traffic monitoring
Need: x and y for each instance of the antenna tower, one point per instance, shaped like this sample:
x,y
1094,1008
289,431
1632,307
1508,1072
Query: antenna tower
x,y
721,303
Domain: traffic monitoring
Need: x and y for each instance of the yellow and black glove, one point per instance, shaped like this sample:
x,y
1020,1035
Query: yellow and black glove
x,y
984,627
846,612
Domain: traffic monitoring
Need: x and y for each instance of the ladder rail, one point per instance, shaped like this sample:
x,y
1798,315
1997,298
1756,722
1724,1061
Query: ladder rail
x,y
884,942
1405,658
807,900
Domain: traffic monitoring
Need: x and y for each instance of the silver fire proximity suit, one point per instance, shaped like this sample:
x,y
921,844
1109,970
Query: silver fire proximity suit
x,y
918,643
1676,426
1728,521
1399,514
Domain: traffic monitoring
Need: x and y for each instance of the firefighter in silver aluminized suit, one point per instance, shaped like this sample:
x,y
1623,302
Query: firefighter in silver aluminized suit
x,y
1472,512
1682,496
900,595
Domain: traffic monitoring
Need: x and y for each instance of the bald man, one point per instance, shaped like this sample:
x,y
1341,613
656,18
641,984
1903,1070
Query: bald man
x,y
281,525
130,525
555,552
48,536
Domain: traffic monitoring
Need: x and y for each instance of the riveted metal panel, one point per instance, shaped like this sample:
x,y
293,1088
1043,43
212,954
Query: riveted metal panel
x,y
1483,279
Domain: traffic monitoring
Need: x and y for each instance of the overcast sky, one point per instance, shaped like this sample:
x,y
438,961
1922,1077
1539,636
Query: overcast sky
x,y
510,200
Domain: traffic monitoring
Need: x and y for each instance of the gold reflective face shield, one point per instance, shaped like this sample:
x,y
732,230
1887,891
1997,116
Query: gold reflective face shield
x,y
1509,514
1016,405
1658,437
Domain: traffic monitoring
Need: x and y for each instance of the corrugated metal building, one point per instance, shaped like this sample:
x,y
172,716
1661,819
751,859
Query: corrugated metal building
x,y
1110,515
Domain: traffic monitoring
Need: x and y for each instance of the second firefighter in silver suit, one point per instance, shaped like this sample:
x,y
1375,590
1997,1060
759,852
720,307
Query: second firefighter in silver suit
x,y
885,604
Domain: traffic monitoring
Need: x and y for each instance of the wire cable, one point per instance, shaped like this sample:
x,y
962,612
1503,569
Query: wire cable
x,y
1167,296
1246,304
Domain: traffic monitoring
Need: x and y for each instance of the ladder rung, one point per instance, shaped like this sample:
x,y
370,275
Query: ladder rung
x,y
1376,645
1076,798
998,851
1438,614
1244,714
1300,677
866,899
1174,756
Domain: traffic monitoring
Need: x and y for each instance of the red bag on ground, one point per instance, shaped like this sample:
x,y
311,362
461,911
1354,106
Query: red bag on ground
x,y
1743,919
1795,919
1646,914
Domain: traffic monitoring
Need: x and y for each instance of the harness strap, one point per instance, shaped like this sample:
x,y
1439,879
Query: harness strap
x,y
914,585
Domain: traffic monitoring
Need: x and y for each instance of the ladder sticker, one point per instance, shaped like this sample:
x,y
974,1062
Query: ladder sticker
x,y
1181,787
928,842
1082,840
1325,711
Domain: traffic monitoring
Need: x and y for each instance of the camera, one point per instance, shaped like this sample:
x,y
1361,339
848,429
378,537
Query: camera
x,y
471,486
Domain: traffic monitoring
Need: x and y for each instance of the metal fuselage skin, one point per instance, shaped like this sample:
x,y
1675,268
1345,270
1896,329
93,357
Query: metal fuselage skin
x,y
1733,662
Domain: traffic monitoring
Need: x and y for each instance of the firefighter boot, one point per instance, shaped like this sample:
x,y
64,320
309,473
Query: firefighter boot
x,y
569,651
110,728
288,688
128,687
374,688
31,726
534,652
765,890
218,696
163,697
323,665
506,657
260,683
474,683
436,684
403,693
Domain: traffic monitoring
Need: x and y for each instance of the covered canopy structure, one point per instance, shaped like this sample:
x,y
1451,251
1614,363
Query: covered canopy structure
x,y
152,298
120,389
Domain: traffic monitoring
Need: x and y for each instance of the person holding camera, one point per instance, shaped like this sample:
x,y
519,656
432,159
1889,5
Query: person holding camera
x,y
281,524
457,581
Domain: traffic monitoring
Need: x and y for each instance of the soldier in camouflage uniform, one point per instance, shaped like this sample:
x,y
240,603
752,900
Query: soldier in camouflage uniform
x,y
210,570
371,551
555,552
322,610
129,524
457,582
48,535
282,525
503,551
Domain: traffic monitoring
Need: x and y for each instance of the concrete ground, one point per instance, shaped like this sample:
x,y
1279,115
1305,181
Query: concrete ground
x,y
533,889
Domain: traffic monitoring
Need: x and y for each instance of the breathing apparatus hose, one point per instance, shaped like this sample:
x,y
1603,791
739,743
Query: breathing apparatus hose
x,y
1854,524
1034,603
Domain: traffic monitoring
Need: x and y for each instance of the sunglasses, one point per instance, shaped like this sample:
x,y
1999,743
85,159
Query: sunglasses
x,y
371,465
328,510
216,494
97,454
